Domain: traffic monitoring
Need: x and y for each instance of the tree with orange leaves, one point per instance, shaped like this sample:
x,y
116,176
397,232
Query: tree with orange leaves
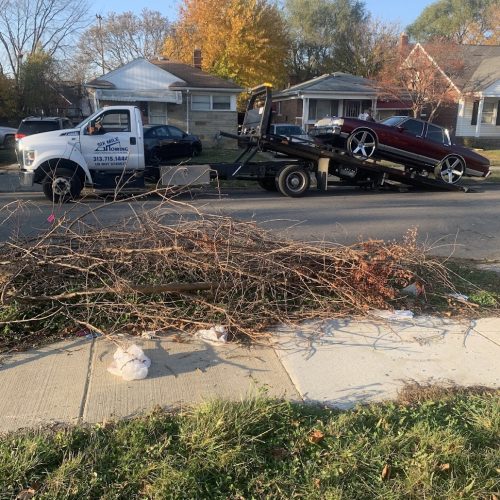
x,y
243,40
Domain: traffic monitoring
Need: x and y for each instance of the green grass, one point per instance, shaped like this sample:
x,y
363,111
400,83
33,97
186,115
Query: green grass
x,y
482,287
446,447
492,154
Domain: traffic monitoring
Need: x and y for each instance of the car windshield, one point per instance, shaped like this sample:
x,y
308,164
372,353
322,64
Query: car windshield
x,y
289,130
36,127
393,121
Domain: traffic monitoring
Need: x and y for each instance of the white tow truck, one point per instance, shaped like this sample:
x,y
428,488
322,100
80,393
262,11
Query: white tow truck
x,y
105,151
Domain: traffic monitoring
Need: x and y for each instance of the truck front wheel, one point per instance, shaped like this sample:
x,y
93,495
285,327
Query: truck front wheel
x,y
62,185
293,180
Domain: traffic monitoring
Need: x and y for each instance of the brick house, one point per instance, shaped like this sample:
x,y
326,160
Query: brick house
x,y
475,113
172,93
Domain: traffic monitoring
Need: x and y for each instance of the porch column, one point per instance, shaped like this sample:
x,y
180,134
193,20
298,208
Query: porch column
x,y
305,112
479,116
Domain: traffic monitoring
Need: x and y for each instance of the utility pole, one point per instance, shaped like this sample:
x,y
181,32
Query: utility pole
x,y
99,20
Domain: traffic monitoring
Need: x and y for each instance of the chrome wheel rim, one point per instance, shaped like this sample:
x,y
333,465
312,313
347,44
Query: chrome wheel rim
x,y
362,143
452,169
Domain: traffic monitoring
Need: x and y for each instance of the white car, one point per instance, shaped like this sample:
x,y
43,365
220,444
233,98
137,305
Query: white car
x,y
7,137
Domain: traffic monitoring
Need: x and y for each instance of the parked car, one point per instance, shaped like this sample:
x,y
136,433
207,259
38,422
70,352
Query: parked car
x,y
290,131
7,137
165,142
38,124
421,146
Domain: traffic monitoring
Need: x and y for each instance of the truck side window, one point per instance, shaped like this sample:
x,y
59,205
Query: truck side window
x,y
116,121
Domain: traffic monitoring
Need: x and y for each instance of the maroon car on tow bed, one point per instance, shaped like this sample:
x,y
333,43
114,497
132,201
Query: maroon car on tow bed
x,y
422,146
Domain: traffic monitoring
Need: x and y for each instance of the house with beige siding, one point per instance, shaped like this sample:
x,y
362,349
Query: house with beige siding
x,y
171,93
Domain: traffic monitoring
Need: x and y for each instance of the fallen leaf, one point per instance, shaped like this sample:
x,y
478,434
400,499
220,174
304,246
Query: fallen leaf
x,y
386,472
494,497
26,494
444,467
316,436
317,483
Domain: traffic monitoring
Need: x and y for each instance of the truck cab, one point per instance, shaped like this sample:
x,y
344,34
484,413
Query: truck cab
x,y
104,150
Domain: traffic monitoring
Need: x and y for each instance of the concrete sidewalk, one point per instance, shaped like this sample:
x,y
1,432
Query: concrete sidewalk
x,y
338,362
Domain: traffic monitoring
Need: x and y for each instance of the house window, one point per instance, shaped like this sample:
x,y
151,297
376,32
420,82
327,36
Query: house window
x,y
352,108
221,102
205,102
488,115
200,102
319,108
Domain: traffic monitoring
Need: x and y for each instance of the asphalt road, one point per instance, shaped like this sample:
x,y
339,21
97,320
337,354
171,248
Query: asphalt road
x,y
461,224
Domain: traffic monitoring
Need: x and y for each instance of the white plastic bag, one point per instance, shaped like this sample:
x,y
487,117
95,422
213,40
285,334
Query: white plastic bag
x,y
216,334
130,363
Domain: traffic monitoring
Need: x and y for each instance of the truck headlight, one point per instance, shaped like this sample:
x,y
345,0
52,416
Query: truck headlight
x,y
29,157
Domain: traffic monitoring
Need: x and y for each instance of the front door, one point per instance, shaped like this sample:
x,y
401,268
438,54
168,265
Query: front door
x,y
109,144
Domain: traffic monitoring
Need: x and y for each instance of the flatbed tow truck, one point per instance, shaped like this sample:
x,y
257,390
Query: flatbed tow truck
x,y
112,158
297,160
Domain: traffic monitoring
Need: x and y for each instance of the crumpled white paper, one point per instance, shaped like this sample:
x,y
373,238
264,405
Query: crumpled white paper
x,y
216,334
130,363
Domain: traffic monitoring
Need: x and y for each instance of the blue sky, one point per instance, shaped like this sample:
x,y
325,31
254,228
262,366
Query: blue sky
x,y
401,11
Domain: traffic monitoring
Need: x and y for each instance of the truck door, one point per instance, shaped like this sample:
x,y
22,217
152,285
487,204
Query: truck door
x,y
108,142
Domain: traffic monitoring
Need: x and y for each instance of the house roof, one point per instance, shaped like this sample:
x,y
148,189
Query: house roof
x,y
334,82
141,74
191,77
481,66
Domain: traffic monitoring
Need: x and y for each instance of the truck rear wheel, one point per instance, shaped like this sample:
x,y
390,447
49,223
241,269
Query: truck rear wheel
x,y
293,181
62,185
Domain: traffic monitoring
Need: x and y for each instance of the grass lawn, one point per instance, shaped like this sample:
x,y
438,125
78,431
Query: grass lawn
x,y
492,154
441,445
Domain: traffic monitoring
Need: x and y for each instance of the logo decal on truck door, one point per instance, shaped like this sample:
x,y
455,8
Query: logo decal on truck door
x,y
112,153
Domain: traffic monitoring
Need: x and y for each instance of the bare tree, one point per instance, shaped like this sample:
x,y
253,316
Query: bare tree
x,y
30,25
426,76
120,38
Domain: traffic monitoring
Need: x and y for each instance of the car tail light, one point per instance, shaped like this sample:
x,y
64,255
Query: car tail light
x,y
20,136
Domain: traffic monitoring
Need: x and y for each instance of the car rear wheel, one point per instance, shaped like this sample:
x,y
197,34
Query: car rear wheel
x,y
293,181
362,143
62,185
451,169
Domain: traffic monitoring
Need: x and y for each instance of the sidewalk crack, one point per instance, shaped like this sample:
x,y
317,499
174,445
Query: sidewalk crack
x,y
85,395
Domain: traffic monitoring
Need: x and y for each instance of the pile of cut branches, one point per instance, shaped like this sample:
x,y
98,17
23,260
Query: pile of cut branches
x,y
190,275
